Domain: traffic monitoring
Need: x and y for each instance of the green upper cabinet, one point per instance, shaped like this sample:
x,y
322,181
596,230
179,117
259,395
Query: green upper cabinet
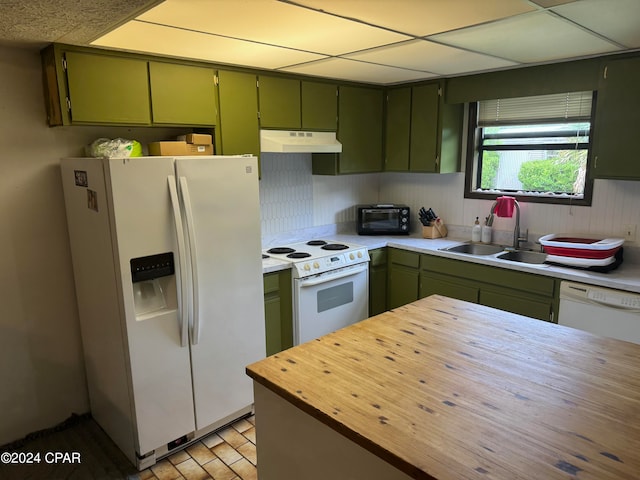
x,y
239,127
319,106
398,129
104,89
183,94
423,134
424,152
279,102
616,120
436,131
360,130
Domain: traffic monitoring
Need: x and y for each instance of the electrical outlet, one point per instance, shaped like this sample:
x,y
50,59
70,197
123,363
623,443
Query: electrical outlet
x,y
629,232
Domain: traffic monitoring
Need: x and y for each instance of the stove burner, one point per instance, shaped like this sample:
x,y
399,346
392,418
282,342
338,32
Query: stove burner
x,y
280,250
264,256
334,246
316,243
299,255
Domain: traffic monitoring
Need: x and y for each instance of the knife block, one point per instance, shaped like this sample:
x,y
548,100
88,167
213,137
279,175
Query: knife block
x,y
434,231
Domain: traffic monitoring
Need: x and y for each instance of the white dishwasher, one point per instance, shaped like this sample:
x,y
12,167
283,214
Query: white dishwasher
x,y
602,311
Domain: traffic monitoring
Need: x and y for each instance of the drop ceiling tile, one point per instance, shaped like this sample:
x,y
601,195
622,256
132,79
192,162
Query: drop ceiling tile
x,y
431,57
531,38
420,17
144,37
356,71
272,22
551,3
618,20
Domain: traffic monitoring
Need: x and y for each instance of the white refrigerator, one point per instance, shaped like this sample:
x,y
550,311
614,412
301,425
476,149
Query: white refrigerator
x,y
170,296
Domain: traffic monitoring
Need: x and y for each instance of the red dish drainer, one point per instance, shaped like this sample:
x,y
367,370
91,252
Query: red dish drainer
x,y
580,247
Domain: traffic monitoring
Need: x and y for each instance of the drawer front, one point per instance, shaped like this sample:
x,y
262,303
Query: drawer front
x,y
378,257
516,304
271,282
404,257
527,282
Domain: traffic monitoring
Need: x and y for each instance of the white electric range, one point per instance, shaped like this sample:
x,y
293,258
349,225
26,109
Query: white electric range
x,y
330,285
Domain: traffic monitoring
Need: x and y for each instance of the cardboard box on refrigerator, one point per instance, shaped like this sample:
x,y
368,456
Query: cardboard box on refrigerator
x,y
178,149
193,149
196,138
168,149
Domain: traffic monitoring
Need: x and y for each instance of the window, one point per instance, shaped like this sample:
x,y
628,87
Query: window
x,y
534,148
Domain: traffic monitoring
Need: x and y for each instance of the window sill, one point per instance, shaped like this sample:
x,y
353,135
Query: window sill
x,y
556,199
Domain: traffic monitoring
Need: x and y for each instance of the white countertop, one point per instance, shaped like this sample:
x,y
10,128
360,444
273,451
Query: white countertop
x,y
625,277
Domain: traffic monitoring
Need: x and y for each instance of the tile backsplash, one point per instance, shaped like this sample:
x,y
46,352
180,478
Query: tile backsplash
x,y
293,199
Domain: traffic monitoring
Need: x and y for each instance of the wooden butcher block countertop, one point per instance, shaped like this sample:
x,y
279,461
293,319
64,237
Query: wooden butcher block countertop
x,y
445,389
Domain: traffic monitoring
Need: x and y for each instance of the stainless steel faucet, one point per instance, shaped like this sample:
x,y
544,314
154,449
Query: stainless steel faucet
x,y
516,231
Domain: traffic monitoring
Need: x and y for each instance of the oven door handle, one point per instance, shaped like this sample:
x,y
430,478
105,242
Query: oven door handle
x,y
338,275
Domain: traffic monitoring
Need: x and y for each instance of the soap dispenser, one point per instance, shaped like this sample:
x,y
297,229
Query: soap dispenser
x,y
476,231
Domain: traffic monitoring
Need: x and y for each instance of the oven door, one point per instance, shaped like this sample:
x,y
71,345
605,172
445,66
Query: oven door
x,y
329,301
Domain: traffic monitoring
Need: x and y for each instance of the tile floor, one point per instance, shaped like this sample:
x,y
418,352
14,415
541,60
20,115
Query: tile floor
x,y
228,454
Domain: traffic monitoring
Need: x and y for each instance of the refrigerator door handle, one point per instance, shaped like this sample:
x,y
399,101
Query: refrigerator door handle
x,y
182,291
186,201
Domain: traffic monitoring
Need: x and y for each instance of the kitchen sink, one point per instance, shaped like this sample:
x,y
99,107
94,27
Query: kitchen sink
x,y
523,256
475,249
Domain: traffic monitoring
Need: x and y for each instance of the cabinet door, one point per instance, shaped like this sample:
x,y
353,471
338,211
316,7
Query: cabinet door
x,y
360,129
277,311
183,94
279,102
319,106
377,281
403,277
239,127
616,121
397,131
402,286
424,128
108,89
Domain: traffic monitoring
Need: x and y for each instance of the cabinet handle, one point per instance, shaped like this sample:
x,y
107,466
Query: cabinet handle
x,y
606,70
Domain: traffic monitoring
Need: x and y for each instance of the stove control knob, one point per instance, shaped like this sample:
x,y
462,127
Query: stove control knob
x,y
352,256
359,254
307,267
316,265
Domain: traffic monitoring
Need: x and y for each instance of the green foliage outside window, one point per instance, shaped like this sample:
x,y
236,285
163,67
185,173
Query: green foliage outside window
x,y
490,164
550,175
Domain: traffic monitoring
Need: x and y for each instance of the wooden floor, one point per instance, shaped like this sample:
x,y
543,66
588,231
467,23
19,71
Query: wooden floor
x,y
229,454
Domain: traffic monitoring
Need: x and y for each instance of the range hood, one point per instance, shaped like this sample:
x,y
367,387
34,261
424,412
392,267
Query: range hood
x,y
285,141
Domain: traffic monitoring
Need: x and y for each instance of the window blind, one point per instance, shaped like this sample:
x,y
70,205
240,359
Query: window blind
x,y
558,107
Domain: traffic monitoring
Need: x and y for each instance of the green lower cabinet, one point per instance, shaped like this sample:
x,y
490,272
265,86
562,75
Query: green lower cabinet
x,y
377,281
523,293
403,277
278,316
